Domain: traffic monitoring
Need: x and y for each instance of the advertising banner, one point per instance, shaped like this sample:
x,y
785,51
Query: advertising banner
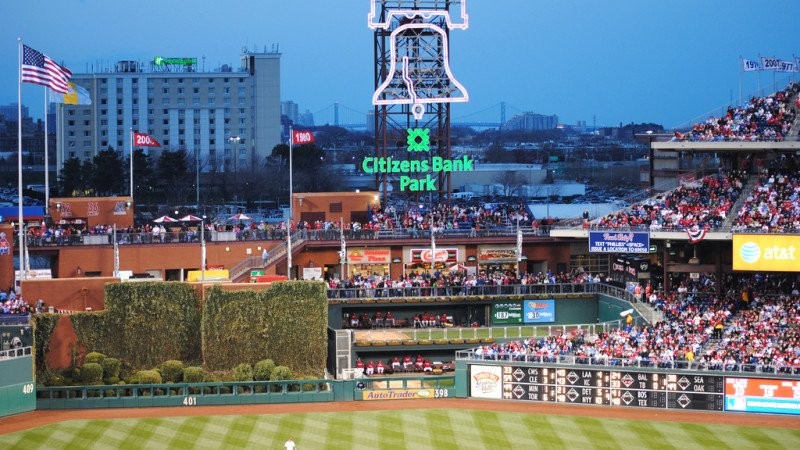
x,y
369,256
485,381
507,313
762,395
404,394
540,311
425,255
493,253
767,253
619,242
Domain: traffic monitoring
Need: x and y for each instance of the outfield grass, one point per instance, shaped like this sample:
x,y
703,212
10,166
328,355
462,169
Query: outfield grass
x,y
435,428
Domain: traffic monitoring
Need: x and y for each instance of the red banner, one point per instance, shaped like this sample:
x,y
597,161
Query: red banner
x,y
144,140
300,137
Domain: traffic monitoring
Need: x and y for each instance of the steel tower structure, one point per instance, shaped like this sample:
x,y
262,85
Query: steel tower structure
x,y
414,86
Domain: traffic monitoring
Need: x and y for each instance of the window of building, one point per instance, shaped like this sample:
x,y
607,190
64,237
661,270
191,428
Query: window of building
x,y
86,123
241,80
104,143
165,101
119,112
135,101
103,101
103,112
241,91
211,141
166,141
195,101
87,133
227,90
71,133
196,90
165,111
87,143
180,80
119,91
103,122
210,101
150,121
227,80
119,123
335,207
165,90
86,112
180,90
181,142
71,144
181,101
71,112
119,101
135,81
149,101
166,121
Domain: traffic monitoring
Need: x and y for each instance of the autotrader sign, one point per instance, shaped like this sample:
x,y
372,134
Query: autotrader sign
x,y
768,253
619,242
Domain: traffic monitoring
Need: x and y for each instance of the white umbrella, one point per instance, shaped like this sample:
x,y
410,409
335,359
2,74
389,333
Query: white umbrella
x,y
165,219
239,217
190,218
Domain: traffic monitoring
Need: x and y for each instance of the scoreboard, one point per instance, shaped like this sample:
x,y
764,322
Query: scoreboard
x,y
626,388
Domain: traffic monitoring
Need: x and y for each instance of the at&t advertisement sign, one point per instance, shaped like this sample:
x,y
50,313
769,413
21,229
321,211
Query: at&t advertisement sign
x,y
770,253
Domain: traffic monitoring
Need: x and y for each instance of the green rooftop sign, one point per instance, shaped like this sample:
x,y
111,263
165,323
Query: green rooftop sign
x,y
161,61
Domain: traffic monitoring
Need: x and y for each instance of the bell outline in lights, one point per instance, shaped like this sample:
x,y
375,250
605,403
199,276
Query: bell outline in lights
x,y
373,21
410,96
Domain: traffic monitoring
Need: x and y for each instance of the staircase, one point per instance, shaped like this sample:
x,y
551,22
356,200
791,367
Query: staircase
x,y
650,314
733,213
276,255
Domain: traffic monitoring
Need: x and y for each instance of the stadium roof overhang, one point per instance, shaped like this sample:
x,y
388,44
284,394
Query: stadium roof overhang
x,y
743,147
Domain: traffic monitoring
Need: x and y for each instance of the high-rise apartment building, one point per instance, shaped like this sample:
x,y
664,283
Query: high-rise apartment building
x,y
230,116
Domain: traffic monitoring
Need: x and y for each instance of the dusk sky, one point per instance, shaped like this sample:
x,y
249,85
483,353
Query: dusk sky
x,y
670,62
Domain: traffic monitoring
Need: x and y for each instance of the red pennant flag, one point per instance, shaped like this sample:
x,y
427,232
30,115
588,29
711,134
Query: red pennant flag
x,y
144,140
300,137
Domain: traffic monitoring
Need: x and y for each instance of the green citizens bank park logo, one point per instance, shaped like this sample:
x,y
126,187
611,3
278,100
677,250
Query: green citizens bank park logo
x,y
418,140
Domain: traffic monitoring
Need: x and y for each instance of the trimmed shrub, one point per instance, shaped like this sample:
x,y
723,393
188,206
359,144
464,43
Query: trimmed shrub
x,y
243,372
172,371
263,370
94,357
92,373
280,373
147,377
194,374
112,367
111,380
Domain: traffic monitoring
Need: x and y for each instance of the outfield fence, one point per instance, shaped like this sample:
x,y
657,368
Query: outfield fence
x,y
242,392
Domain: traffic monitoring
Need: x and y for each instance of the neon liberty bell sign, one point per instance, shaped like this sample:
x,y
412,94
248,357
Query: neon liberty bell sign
x,y
411,80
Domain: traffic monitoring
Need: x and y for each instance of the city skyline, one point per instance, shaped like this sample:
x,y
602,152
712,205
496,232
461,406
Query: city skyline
x,y
632,61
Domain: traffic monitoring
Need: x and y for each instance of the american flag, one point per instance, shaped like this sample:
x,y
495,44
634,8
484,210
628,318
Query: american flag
x,y
39,69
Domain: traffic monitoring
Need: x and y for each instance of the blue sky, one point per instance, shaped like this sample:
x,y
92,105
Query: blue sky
x,y
670,62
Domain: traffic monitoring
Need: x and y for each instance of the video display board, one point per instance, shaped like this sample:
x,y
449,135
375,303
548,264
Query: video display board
x,y
762,395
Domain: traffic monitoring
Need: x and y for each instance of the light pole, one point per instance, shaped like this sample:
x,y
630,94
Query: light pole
x,y
289,222
203,249
197,178
232,140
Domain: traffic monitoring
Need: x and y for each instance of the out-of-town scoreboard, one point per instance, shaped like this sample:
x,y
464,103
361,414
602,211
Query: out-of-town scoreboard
x,y
599,387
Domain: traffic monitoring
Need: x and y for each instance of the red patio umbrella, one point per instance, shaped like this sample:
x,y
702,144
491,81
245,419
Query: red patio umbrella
x,y
165,219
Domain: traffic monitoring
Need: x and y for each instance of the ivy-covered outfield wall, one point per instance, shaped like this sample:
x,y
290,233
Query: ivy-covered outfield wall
x,y
145,324
286,323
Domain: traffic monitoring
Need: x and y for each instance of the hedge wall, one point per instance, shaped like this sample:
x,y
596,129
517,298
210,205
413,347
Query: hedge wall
x,y
149,323
43,326
286,323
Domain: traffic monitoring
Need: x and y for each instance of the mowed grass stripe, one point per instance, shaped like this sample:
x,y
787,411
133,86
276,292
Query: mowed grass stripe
x,y
90,435
141,432
187,431
539,432
442,427
393,433
239,431
492,433
763,438
651,435
340,432
601,437
705,436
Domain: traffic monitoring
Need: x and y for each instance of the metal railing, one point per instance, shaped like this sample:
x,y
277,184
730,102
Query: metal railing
x,y
648,363
493,333
352,294
16,352
178,237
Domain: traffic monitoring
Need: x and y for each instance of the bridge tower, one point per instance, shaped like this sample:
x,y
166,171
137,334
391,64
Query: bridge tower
x,y
414,85
336,114
502,114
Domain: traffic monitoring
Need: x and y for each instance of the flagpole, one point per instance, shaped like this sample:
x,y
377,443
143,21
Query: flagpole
x,y
22,273
131,157
741,70
289,223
